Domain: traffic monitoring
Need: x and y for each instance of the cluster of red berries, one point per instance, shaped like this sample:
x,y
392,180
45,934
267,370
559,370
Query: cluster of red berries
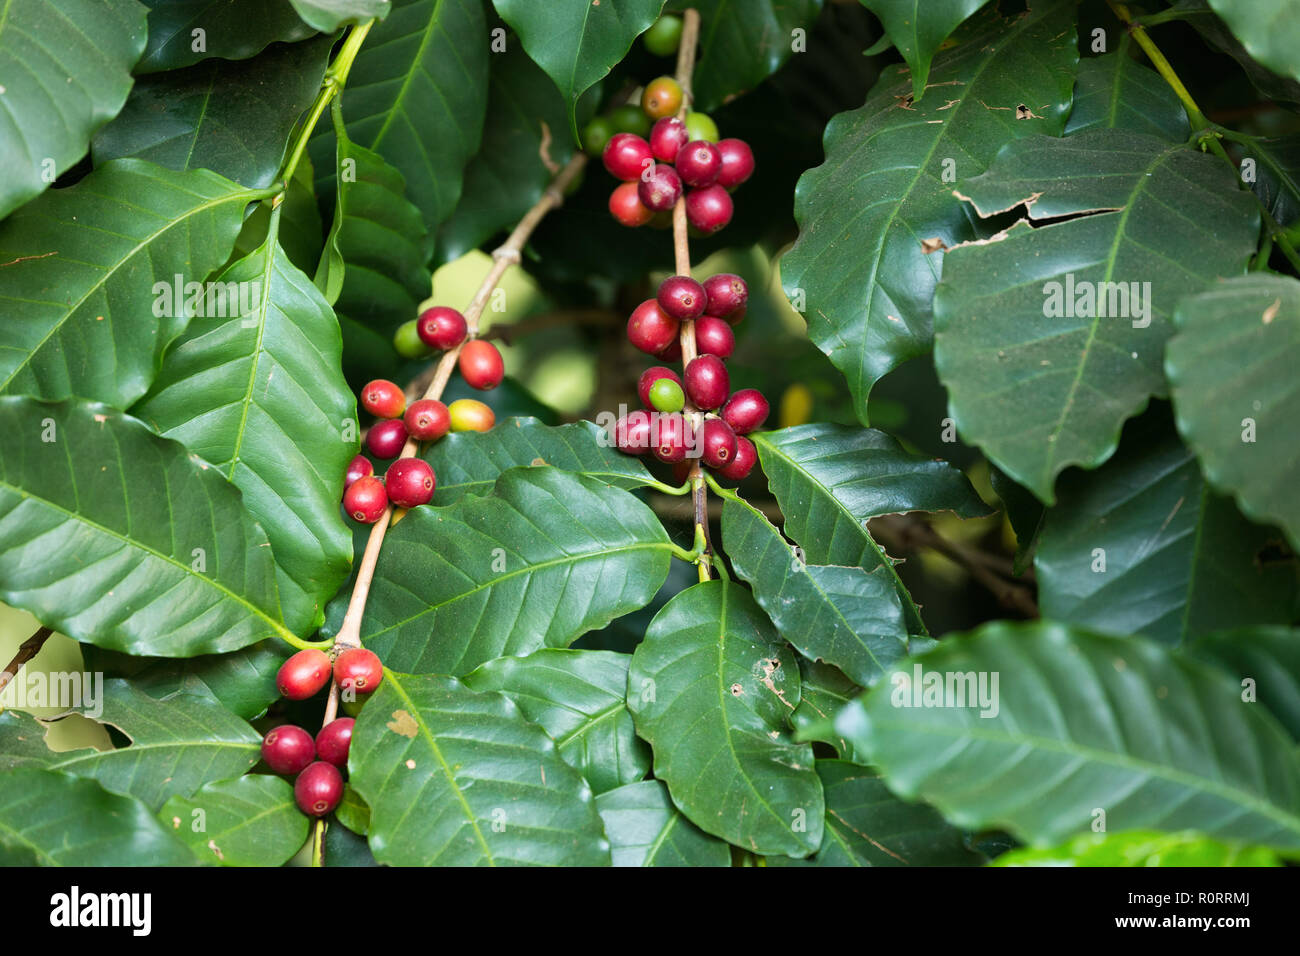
x,y
713,307
316,763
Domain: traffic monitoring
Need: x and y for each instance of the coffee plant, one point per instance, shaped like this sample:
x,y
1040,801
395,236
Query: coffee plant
x,y
488,432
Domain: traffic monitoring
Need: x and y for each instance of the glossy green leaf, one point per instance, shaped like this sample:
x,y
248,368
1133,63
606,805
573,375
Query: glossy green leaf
x,y
328,15
712,688
577,42
301,232
645,829
1268,29
249,821
83,548
469,463
918,29
1037,375
83,314
859,271
232,117
1271,165
546,558
579,698
343,847
56,819
866,825
830,479
183,32
60,83
353,812
490,787
1142,848
742,44
1115,91
823,692
263,399
1143,546
1231,369
176,745
844,616
1078,723
1265,662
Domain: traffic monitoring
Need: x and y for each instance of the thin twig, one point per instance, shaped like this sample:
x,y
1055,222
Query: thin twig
x,y
26,651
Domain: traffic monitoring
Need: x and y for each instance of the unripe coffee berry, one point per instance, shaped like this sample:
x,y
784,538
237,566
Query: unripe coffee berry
x,y
632,433
595,135
303,674
650,328
719,443
661,97
409,482
707,382
701,126
407,341
442,327
366,500
387,439
681,297
629,118
288,749
727,292
427,419
625,205
626,156
359,670
383,399
481,365
698,163
743,463
663,36
335,740
667,138
660,188
358,468
667,396
318,789
708,209
746,411
737,162
470,415
649,377
669,435
712,337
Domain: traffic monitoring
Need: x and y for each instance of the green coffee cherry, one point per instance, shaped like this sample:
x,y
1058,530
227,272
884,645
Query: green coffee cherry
x,y
664,35
667,396
630,119
701,126
406,340
596,134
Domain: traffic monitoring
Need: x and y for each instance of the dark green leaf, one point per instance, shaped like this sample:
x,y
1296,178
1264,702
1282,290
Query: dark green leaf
x,y
823,691
229,29
250,821
345,848
742,44
1142,848
645,829
1268,29
353,812
1215,32
1267,657
1023,511
917,30
1114,91
328,15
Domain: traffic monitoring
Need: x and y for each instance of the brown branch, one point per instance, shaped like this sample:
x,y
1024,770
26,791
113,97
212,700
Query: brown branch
x,y
26,651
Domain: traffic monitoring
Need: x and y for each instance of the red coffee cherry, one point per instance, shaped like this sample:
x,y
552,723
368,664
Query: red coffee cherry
x,y
626,206
719,443
649,377
667,138
727,293
427,419
737,162
410,482
318,789
708,209
632,433
387,439
481,365
358,467
383,399
714,337
670,436
358,669
660,188
698,163
303,674
441,327
681,297
288,749
743,463
673,352
626,156
650,328
746,411
334,741
707,382
366,500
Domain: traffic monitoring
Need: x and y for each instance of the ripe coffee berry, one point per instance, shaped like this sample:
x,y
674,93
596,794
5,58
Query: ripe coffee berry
x,y
661,97
469,415
673,353
303,674
442,327
649,377
427,420
650,328
318,789
626,206
626,156
365,500
667,138
387,439
712,337
667,396
670,436
660,188
358,468
481,365
335,740
737,162
681,297
708,209
727,293
746,411
719,443
409,482
743,463
707,382
288,749
698,163
359,670
383,399
632,433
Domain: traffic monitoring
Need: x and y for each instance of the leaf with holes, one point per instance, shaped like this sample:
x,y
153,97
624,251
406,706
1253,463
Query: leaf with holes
x,y
645,829
918,30
249,821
